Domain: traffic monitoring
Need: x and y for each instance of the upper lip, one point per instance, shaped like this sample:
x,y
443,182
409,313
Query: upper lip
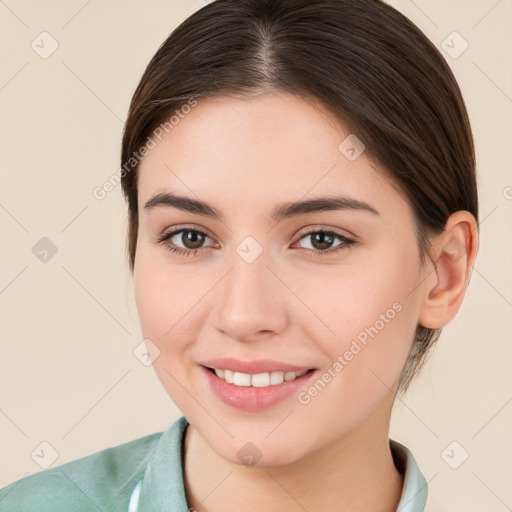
x,y
252,367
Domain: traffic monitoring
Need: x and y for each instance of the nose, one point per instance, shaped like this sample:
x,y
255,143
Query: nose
x,y
251,302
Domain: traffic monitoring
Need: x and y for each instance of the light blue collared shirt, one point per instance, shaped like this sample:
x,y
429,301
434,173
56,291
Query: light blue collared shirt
x,y
146,475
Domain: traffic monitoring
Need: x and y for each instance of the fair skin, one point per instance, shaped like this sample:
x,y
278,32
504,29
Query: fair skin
x,y
244,157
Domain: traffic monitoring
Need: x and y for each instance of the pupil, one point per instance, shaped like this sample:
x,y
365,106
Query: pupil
x,y
194,237
320,238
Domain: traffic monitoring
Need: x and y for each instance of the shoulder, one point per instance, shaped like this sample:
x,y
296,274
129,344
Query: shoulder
x,y
100,481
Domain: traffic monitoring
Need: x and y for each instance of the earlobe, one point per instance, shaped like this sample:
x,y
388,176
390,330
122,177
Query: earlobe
x,y
453,255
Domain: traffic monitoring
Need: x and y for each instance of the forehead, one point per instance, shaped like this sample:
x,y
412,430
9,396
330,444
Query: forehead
x,y
258,151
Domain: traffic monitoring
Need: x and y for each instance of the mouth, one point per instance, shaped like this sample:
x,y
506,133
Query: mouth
x,y
257,380
256,392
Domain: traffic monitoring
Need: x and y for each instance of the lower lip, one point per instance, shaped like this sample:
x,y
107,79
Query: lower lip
x,y
254,399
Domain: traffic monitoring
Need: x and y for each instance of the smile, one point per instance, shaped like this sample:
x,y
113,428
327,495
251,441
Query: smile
x,y
258,380
255,391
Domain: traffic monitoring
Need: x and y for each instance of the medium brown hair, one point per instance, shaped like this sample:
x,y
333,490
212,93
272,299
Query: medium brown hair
x,y
362,60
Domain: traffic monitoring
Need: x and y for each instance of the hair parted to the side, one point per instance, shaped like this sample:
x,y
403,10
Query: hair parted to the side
x,y
364,61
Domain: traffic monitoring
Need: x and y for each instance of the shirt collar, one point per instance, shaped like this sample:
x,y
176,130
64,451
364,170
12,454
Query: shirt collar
x,y
162,487
415,489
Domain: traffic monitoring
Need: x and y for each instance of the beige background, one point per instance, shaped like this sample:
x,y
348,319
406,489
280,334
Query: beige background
x,y
68,375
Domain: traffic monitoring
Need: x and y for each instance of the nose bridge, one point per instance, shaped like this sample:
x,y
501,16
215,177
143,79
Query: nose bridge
x,y
250,298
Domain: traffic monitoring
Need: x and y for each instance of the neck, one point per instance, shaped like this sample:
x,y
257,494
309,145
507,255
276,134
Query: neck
x,y
356,472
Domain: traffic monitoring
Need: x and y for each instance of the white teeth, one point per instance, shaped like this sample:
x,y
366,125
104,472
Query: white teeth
x,y
259,380
276,378
241,379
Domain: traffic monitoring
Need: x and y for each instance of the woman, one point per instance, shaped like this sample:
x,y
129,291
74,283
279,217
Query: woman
x,y
300,178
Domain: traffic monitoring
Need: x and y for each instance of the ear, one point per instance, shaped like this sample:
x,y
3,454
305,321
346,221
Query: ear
x,y
453,254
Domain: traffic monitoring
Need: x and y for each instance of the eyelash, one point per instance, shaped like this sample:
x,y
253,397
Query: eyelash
x,y
346,242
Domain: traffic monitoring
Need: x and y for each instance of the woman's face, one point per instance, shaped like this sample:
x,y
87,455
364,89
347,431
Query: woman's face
x,y
258,287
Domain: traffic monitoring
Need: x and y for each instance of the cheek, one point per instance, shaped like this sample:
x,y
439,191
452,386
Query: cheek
x,y
365,316
165,298
367,353
165,302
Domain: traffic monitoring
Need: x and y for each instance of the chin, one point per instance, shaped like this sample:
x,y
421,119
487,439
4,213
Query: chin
x,y
258,453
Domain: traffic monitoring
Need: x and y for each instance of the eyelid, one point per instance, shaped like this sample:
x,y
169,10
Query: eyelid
x,y
176,229
319,227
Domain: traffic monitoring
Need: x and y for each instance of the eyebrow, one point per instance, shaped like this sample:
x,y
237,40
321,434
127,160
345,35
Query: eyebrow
x,y
281,211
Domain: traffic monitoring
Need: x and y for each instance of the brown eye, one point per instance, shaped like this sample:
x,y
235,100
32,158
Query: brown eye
x,y
183,241
322,241
192,239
